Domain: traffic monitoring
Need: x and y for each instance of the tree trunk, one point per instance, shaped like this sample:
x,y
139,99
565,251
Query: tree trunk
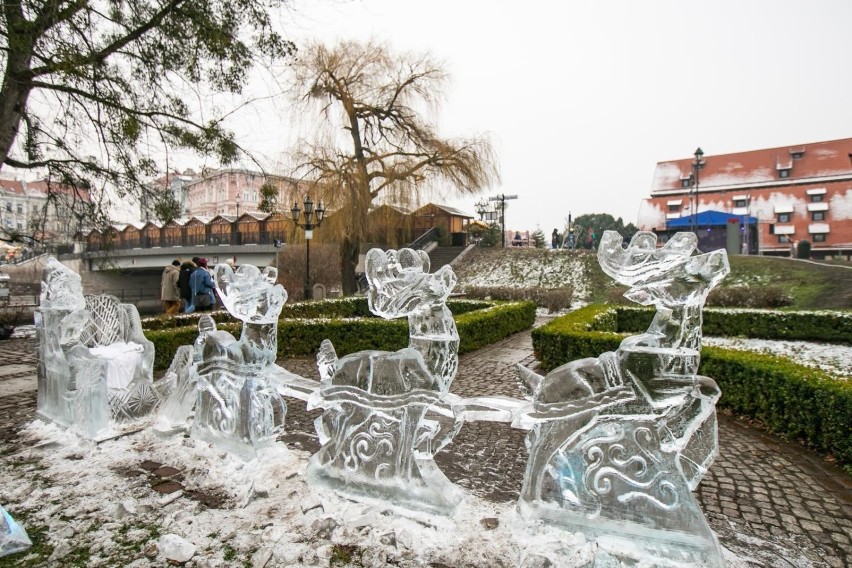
x,y
13,99
349,253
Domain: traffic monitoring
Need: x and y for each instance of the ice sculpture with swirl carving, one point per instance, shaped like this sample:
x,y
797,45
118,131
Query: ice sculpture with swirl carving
x,y
387,413
236,406
618,442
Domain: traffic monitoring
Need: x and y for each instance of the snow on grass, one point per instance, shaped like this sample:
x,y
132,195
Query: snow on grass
x,y
831,358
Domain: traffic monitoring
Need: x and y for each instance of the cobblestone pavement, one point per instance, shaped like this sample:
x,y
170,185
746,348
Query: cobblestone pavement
x,y
769,500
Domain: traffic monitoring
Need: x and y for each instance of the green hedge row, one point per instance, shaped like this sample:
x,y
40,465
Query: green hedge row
x,y
352,307
791,399
479,324
830,326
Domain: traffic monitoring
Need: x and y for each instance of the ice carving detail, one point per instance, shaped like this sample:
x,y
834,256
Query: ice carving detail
x,y
236,406
95,370
387,413
619,441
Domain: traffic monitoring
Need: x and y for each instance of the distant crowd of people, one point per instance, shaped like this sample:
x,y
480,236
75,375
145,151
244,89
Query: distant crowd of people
x,y
187,287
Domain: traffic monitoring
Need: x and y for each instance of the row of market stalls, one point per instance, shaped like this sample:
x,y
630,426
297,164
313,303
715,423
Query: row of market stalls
x,y
387,225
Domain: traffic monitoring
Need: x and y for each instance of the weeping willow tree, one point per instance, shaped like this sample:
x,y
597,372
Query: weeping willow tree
x,y
376,137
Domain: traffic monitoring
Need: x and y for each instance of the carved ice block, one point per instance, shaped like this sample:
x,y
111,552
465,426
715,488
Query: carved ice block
x,y
618,442
95,369
13,537
387,413
236,406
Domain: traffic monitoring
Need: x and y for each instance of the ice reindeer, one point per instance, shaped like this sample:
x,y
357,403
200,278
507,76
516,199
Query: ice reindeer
x,y
225,378
377,439
619,442
95,370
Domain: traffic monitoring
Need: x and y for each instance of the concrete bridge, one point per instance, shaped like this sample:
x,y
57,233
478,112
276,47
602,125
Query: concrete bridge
x,y
132,274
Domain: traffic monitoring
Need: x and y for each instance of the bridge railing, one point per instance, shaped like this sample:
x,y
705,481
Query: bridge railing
x,y
192,240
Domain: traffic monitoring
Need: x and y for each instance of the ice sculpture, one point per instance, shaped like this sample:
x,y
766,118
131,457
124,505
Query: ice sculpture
x,y
619,442
95,367
236,407
386,413
13,537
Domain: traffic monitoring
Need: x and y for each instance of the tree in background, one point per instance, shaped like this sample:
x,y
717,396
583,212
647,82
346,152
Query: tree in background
x,y
378,137
93,91
268,198
167,208
588,228
538,238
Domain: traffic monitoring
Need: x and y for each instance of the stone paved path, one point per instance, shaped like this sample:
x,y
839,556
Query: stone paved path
x,y
768,500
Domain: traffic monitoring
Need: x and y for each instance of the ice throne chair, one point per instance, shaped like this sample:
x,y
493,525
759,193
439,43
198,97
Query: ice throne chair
x,y
95,366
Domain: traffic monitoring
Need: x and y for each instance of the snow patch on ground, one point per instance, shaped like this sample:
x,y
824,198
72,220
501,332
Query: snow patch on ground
x,y
829,357
96,500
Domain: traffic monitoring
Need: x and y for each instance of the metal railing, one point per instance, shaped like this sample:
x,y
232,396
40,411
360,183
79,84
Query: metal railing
x,y
191,240
424,239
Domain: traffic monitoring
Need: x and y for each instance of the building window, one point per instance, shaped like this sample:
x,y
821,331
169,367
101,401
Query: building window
x,y
817,215
817,198
686,182
20,208
797,155
674,208
785,173
784,239
819,237
784,217
740,202
9,206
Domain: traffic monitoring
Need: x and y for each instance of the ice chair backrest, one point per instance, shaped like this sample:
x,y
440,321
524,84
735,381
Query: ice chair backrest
x,y
107,321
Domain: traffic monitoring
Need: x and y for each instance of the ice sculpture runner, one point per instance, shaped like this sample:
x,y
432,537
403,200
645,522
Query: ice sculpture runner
x,y
377,436
619,442
225,379
13,537
95,369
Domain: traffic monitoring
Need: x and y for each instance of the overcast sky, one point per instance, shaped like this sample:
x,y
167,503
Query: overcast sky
x,y
582,99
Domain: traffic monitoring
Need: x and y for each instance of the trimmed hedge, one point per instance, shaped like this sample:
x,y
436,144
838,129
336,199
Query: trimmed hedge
x,y
479,324
791,399
352,307
832,326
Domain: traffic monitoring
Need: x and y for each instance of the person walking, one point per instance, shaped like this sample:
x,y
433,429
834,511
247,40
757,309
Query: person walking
x,y
202,287
186,270
169,291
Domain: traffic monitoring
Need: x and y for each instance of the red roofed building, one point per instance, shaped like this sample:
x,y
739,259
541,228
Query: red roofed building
x,y
796,193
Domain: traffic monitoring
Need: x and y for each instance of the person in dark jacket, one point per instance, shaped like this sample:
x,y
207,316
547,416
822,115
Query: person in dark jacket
x,y
186,270
201,283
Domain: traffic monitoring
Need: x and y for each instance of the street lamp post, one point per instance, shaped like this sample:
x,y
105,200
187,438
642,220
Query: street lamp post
x,y
238,204
693,206
308,225
502,198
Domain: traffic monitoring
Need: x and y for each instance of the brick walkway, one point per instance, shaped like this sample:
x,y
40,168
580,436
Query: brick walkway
x,y
769,500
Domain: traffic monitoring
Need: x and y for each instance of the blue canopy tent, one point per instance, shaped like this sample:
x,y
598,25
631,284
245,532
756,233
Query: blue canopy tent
x,y
709,219
713,229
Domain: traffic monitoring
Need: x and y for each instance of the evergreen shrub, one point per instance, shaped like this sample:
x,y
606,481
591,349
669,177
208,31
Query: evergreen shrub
x,y
479,324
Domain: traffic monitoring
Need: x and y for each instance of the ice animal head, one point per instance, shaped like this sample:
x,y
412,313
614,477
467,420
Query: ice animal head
x,y
400,283
642,261
249,294
61,287
669,276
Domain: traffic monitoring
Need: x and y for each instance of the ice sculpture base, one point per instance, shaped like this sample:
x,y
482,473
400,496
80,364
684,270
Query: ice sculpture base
x,y
381,446
239,414
434,493
113,431
633,542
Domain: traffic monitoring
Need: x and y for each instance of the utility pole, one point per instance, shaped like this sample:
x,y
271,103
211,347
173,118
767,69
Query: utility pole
x,y
502,198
